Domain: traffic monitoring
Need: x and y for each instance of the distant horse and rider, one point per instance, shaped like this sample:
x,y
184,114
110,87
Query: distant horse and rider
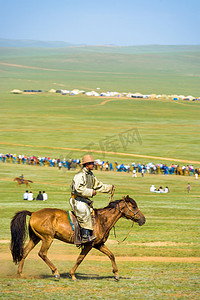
x,y
20,180
48,224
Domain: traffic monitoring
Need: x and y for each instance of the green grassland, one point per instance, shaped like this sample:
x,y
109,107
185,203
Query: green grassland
x,y
37,124
138,281
167,129
171,230
177,211
145,69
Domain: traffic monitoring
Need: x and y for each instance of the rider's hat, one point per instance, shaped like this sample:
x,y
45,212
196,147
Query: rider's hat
x,y
87,159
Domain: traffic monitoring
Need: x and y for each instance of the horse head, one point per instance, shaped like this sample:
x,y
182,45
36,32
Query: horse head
x,y
131,211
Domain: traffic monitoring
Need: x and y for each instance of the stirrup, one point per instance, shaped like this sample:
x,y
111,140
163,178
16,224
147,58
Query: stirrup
x,y
85,240
92,238
88,239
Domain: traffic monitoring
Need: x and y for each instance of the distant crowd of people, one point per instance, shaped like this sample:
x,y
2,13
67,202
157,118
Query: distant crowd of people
x,y
135,168
29,196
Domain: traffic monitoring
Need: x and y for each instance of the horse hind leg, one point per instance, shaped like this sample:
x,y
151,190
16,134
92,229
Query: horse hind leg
x,y
46,243
102,248
31,244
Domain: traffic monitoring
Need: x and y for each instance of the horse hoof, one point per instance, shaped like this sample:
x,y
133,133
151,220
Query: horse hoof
x,y
116,278
57,277
73,278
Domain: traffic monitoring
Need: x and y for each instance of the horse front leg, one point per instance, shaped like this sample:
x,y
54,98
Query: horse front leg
x,y
80,258
107,252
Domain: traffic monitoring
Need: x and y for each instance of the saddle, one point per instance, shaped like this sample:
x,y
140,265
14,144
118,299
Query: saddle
x,y
76,228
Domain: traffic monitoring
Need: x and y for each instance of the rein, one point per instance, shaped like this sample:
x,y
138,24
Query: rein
x,y
112,195
135,213
119,242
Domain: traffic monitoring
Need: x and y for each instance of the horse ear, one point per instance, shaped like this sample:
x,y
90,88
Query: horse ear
x,y
127,198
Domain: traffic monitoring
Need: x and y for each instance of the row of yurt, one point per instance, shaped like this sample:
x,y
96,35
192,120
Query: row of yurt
x,y
112,94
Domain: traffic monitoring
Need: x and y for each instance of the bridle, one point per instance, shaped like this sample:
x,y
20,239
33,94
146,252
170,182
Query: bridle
x,y
129,209
124,215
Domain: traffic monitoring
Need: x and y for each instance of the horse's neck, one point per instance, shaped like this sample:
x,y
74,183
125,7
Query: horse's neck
x,y
109,217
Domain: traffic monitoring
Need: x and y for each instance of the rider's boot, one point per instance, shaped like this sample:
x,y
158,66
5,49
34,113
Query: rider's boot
x,y
86,237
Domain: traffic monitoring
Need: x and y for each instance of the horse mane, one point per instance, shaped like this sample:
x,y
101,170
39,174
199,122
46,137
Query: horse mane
x,y
115,204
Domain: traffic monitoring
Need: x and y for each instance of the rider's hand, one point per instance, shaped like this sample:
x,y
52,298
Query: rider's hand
x,y
94,193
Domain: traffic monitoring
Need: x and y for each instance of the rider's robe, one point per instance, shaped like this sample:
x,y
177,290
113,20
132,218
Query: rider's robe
x,y
83,184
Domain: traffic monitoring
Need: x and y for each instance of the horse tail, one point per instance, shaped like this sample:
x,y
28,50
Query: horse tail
x,y
18,234
30,181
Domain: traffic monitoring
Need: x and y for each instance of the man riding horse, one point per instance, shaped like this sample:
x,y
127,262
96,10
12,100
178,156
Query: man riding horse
x,y
85,186
22,178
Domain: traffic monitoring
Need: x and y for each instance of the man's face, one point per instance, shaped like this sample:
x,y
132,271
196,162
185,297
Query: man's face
x,y
90,166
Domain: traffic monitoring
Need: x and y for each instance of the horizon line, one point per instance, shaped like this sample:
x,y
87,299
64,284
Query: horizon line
x,y
71,44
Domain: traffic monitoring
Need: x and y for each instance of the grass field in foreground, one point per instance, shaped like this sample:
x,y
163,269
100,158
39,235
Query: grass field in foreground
x,y
171,230
138,281
171,218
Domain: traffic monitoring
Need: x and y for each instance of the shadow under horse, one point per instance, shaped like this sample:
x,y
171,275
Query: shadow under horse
x,y
25,181
48,224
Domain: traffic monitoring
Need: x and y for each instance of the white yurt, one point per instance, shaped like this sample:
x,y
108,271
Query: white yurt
x,y
15,91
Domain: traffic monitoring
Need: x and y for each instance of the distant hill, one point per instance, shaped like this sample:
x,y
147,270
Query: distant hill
x,y
33,43
138,49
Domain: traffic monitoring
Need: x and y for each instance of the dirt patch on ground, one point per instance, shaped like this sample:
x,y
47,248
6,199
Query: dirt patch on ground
x,y
39,182
114,242
107,152
28,67
60,84
72,71
159,244
105,101
6,255
4,241
63,257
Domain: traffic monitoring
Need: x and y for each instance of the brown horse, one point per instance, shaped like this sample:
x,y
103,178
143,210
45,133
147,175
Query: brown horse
x,y
49,223
19,181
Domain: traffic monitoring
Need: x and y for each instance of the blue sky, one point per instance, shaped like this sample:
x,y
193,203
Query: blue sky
x,y
91,22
